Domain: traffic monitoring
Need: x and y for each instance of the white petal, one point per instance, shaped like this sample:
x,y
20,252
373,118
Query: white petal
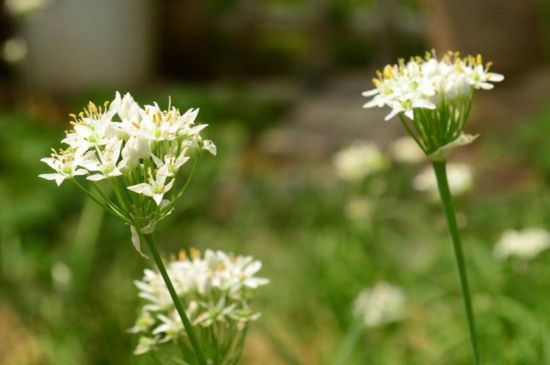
x,y
392,114
96,177
494,77
210,147
158,198
370,92
139,188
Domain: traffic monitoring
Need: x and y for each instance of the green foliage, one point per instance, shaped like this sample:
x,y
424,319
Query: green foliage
x,y
66,271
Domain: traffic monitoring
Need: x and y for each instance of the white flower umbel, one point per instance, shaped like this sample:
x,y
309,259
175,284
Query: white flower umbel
x,y
140,151
524,244
380,305
405,150
432,97
460,180
358,161
215,288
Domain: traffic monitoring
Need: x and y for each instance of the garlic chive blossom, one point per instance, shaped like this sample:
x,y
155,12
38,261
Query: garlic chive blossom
x,y
216,290
433,97
138,150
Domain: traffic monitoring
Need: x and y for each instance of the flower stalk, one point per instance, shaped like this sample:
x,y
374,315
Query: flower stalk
x,y
440,170
151,245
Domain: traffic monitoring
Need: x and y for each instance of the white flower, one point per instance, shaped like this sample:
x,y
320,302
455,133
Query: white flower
x,y
145,344
66,164
215,288
171,164
432,97
424,83
106,162
14,50
135,148
524,244
25,7
126,108
359,160
406,150
359,209
155,188
380,305
460,179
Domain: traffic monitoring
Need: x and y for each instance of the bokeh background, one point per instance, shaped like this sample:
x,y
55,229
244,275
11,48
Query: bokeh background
x,y
279,82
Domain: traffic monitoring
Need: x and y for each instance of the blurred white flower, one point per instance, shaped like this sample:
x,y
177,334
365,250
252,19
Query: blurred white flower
x,y
460,178
359,160
524,244
216,290
406,150
358,209
14,50
25,7
382,304
61,275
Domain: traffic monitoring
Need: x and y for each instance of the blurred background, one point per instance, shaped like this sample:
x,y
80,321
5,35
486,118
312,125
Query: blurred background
x,y
279,82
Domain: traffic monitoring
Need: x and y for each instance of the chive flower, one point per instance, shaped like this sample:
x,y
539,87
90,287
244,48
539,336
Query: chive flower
x,y
216,290
433,97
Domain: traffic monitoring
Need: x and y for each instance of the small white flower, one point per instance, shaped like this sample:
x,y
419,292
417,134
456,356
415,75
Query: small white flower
x,y
155,188
359,209
524,244
171,164
66,165
358,161
136,148
61,275
459,175
145,344
126,108
106,162
380,305
406,150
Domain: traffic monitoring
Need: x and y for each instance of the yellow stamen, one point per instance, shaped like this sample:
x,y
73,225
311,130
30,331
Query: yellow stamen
x,y
195,253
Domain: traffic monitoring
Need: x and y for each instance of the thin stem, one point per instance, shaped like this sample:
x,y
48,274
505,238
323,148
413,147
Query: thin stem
x,y
177,303
345,351
447,201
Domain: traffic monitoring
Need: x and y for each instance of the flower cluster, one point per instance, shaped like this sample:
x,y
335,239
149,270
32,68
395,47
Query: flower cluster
x,y
216,290
406,151
524,244
140,150
358,161
435,95
380,305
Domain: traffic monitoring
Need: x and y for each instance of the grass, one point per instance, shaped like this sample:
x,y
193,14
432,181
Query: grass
x,y
293,219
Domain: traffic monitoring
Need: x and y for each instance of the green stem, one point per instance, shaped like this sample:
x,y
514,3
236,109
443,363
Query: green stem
x,y
345,351
177,303
440,170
